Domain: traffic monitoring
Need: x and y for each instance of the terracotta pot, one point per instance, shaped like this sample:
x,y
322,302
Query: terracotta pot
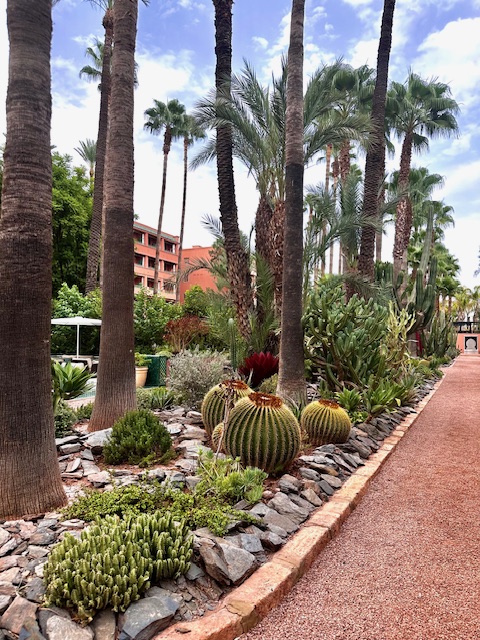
x,y
140,376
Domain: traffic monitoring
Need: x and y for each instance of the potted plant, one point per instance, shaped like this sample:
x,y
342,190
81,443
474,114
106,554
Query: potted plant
x,y
141,369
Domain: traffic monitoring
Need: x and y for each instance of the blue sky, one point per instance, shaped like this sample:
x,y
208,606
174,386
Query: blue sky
x,y
175,53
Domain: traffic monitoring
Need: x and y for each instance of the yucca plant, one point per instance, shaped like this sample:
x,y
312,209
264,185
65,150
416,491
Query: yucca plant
x,y
325,422
263,432
222,395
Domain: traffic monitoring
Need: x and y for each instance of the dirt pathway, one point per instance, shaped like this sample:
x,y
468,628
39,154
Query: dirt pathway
x,y
406,564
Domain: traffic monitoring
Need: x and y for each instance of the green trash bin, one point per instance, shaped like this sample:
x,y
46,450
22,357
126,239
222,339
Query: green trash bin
x,y
157,371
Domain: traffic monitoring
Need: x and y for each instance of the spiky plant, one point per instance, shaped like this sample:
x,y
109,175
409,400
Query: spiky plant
x,y
263,432
217,436
325,422
213,405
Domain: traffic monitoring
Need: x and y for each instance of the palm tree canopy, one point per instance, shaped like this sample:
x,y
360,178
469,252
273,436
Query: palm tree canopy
x,y
87,151
169,116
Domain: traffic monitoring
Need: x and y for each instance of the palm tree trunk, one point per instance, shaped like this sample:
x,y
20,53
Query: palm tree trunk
x,y
184,204
96,225
115,393
375,160
344,160
403,221
237,259
30,481
277,236
167,143
291,375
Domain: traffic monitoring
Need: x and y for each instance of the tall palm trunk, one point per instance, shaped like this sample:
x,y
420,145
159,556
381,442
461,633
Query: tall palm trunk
x,y
403,221
237,259
277,238
291,375
328,162
96,225
375,160
167,144
30,479
116,371
184,205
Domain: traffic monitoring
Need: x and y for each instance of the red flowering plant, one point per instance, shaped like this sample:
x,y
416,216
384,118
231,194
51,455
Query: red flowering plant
x,y
258,367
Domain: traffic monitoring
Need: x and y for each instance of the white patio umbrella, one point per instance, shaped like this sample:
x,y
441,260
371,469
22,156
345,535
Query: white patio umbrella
x,y
78,321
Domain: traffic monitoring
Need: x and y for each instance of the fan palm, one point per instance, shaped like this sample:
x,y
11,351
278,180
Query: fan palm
x,y
88,152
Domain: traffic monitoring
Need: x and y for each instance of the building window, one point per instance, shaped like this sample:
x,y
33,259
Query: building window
x,y
152,240
138,236
138,281
168,267
151,263
139,260
150,283
169,246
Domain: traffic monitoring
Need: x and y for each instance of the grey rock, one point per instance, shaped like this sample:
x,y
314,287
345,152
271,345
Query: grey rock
x,y
311,496
4,536
214,563
355,446
47,523
250,542
7,589
30,631
10,545
67,449
193,433
145,618
271,540
162,593
87,455
5,602
59,628
7,562
279,531
240,563
174,429
99,479
194,417
89,467
192,481
97,440
194,572
279,520
35,590
260,509
289,484
74,523
67,440
39,569
336,483
76,475
42,538
13,575
286,507
44,615
302,503
309,474
326,488
177,478
74,465
104,625
188,466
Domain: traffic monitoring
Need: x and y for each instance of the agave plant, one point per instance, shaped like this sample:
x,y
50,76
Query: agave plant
x,y
68,382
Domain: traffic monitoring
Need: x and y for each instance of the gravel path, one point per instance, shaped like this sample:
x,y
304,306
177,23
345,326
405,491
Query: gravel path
x,y
406,564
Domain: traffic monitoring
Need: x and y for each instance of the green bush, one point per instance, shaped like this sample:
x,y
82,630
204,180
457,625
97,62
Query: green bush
x,y
64,418
269,385
137,438
193,373
151,314
157,398
84,412
114,562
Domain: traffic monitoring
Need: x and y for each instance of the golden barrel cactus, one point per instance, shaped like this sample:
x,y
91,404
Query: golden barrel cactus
x,y
325,422
213,405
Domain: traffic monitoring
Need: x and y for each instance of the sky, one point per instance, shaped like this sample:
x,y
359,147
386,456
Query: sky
x,y
176,59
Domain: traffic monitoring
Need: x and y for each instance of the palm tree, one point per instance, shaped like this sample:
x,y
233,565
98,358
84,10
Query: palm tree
x,y
88,152
93,72
192,132
168,117
115,392
423,109
26,416
237,258
375,160
291,374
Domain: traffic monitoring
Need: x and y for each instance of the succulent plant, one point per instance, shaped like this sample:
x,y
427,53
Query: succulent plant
x,y
263,432
217,434
324,422
258,367
114,562
213,405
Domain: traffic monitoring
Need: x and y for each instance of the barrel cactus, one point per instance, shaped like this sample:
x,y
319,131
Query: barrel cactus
x,y
213,405
217,435
324,422
263,432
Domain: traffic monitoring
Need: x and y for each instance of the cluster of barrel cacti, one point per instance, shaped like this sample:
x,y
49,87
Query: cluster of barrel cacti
x,y
325,422
114,562
214,402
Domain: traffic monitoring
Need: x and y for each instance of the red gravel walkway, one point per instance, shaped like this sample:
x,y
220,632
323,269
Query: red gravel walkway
x,y
406,564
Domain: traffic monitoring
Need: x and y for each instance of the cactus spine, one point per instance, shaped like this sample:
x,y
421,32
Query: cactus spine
x,y
263,432
213,405
217,437
324,422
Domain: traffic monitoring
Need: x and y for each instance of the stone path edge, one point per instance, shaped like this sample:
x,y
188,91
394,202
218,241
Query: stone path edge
x,y
243,608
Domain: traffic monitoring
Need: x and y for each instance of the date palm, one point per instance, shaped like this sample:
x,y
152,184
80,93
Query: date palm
x,y
168,117
88,153
26,414
423,109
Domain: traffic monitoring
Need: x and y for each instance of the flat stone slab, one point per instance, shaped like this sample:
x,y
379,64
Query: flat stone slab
x,y
17,614
144,618
59,628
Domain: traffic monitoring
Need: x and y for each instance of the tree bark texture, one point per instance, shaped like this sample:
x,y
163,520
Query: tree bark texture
x,y
167,143
30,481
375,160
277,240
96,225
237,260
291,375
403,220
116,393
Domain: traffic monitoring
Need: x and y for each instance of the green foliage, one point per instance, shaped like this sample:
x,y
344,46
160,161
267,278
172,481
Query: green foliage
x,y
226,478
64,418
263,432
222,395
115,561
381,397
142,360
325,422
441,340
69,303
151,314
137,438
68,382
195,302
194,372
72,210
157,398
84,412
269,385
349,399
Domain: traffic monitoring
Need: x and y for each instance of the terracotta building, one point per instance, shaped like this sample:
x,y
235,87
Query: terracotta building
x,y
145,244
202,277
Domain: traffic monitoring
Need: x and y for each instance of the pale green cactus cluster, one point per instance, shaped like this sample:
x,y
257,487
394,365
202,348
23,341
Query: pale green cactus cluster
x,y
115,561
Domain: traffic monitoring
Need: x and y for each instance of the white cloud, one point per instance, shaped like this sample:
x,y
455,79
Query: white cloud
x,y
261,43
364,52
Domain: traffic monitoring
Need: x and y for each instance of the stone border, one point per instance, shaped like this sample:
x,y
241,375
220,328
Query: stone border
x,y
244,607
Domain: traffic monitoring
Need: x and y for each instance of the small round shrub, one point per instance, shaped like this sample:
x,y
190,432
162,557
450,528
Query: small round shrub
x,y
193,373
64,418
157,398
84,412
137,438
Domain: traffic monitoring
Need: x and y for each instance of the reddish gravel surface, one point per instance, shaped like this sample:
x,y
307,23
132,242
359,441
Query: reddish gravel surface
x,y
406,564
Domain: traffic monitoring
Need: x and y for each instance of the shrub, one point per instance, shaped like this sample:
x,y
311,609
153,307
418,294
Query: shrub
x,y
181,332
151,314
68,382
84,412
349,399
114,562
137,438
141,359
64,418
269,385
258,367
193,373
195,301
157,398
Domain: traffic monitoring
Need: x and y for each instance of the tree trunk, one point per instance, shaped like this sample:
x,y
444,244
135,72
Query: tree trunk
x,y
30,481
115,393
263,222
167,143
184,205
291,375
344,161
277,236
375,160
403,221
237,260
96,225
